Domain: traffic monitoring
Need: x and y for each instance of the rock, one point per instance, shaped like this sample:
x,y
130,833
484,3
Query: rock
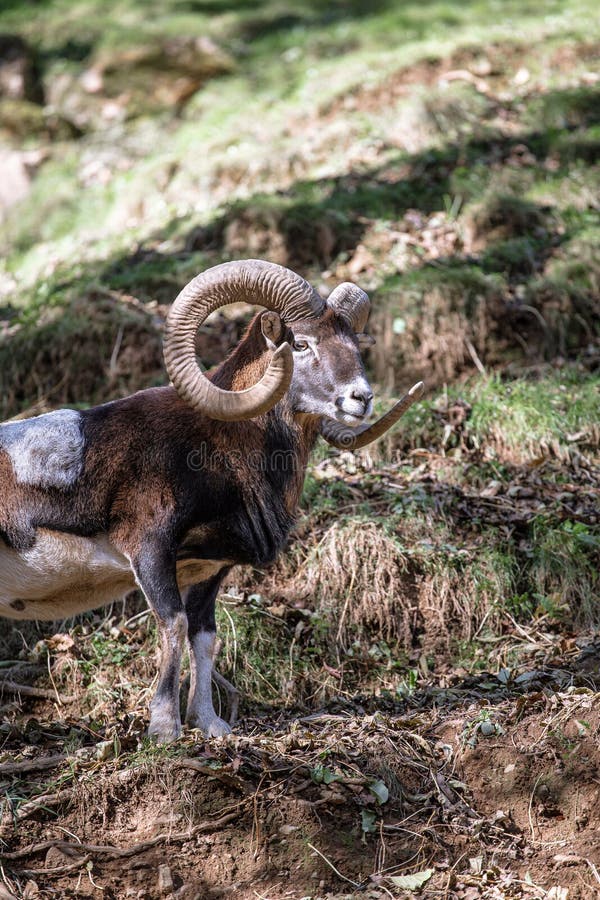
x,y
18,72
14,179
159,75
487,728
481,67
68,99
55,858
522,76
361,261
165,881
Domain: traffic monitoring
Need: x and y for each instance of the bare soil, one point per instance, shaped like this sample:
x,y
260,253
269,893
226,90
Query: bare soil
x,y
489,781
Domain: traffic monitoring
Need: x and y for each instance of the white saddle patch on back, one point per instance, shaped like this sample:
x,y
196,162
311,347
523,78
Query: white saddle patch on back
x,y
46,450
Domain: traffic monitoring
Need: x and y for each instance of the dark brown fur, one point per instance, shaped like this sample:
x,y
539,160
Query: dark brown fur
x,y
171,488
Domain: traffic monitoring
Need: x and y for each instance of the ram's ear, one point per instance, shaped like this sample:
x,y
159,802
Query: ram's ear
x,y
272,329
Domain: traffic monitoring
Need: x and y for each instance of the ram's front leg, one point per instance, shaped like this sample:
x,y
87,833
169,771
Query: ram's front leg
x,y
200,609
155,573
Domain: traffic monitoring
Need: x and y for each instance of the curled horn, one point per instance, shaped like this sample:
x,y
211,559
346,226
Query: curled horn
x,y
345,438
351,303
253,281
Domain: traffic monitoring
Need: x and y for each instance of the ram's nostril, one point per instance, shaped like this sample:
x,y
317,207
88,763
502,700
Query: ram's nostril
x,y
362,396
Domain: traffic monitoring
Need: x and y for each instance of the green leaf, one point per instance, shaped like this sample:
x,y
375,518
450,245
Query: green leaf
x,y
379,791
368,821
324,775
412,882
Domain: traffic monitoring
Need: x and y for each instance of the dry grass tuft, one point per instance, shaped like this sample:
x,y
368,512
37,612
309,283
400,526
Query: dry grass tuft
x,y
432,324
95,348
358,579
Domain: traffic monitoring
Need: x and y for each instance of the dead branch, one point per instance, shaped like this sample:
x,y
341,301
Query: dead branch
x,y
32,765
226,777
11,687
43,801
232,692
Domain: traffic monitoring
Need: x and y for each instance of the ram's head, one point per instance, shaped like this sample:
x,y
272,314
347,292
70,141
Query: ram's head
x,y
315,346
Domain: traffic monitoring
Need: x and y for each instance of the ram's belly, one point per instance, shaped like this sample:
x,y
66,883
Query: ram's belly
x,y
61,575
193,571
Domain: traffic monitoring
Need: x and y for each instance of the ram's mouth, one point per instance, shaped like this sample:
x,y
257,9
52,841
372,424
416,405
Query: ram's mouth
x,y
346,418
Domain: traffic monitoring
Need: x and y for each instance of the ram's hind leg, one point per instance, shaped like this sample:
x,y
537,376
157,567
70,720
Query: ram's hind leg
x,y
154,570
200,609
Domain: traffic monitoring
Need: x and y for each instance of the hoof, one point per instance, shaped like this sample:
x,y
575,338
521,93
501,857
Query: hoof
x,y
164,731
210,727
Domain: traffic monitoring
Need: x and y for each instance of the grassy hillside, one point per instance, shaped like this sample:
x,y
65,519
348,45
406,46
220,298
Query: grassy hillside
x,y
446,157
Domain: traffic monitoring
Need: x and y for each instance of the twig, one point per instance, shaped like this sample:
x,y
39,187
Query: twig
x,y
226,777
231,691
42,801
453,797
11,687
337,871
475,357
59,870
529,808
32,765
464,75
595,872
57,695
38,848
112,366
569,859
524,307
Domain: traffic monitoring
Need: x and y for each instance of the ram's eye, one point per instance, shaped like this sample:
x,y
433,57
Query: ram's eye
x,y
300,346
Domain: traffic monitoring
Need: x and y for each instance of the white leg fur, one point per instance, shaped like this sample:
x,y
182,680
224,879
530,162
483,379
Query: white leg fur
x,y
200,710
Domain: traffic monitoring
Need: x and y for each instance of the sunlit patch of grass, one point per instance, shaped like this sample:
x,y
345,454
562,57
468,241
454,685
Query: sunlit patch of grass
x,y
524,418
260,655
284,60
526,415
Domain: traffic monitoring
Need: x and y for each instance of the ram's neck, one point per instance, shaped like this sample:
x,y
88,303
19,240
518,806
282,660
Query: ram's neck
x,y
286,431
246,363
